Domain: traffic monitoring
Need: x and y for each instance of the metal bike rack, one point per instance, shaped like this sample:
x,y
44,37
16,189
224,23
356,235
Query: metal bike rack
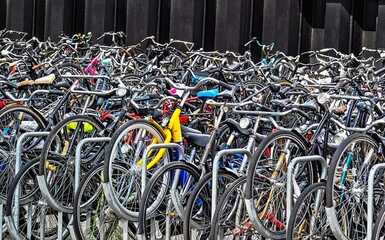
x,y
370,208
13,226
1,219
109,192
78,159
157,146
123,223
218,156
290,174
77,172
332,218
180,150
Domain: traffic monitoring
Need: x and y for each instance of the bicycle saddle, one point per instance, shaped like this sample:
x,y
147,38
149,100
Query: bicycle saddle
x,y
208,94
195,137
46,80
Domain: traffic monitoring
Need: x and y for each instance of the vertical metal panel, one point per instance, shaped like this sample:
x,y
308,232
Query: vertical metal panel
x,y
99,16
79,13
38,14
209,24
109,15
269,21
69,16
29,16
337,24
120,15
313,24
281,24
15,18
182,19
163,30
287,28
245,24
256,25
94,16
54,17
380,34
199,14
141,19
364,24
294,25
231,34
3,13
186,20
369,22
20,15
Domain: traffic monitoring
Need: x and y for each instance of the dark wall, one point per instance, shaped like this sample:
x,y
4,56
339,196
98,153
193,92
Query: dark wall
x,y
294,25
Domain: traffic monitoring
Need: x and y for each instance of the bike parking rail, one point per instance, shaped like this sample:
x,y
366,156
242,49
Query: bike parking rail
x,y
216,167
180,150
13,226
290,175
370,207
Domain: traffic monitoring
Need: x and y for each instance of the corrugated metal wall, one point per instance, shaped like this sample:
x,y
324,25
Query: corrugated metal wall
x,y
294,25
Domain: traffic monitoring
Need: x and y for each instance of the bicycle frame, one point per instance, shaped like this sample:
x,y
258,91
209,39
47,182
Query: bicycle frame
x,y
172,133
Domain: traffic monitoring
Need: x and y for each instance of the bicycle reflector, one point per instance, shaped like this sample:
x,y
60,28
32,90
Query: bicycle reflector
x,y
2,103
184,119
323,98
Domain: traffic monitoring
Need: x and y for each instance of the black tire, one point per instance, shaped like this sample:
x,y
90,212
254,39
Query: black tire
x,y
32,198
66,173
8,144
127,189
379,227
203,187
298,214
336,193
225,215
114,138
93,202
146,202
252,187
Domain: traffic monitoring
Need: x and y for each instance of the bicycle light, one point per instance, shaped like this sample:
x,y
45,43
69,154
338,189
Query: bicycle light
x,y
121,92
244,123
323,98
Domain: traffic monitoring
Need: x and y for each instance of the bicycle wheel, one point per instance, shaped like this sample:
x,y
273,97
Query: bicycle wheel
x,y
231,220
34,213
379,227
265,190
308,218
127,145
14,121
164,199
347,181
197,219
93,219
62,142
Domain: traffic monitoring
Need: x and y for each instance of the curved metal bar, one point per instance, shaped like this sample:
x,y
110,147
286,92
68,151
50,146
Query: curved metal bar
x,y
370,208
218,156
290,175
